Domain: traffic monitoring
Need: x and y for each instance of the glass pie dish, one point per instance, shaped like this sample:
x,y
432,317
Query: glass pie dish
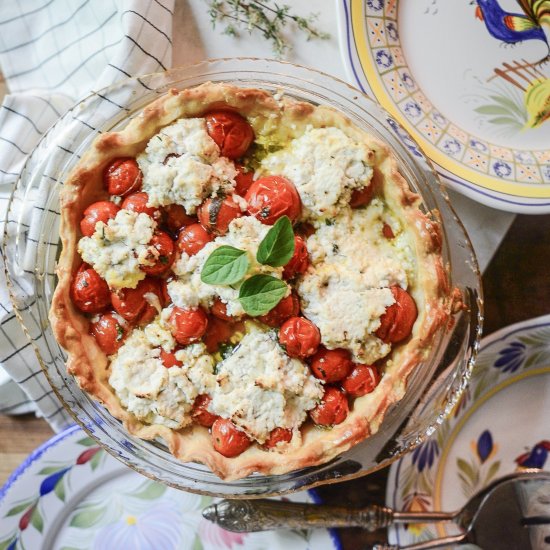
x,y
32,246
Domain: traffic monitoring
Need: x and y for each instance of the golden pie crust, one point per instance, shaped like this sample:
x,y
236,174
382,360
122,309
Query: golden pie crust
x,y
431,290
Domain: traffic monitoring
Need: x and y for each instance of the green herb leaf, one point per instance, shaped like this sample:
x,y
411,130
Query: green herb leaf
x,y
261,293
225,266
277,247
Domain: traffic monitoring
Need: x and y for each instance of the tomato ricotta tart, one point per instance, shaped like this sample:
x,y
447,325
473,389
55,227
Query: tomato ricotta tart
x,y
247,277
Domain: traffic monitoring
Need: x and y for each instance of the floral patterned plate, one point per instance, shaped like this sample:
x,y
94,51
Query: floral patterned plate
x,y
469,81
70,495
499,426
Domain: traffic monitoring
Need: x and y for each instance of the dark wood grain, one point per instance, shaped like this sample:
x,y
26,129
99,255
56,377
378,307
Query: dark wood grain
x,y
516,286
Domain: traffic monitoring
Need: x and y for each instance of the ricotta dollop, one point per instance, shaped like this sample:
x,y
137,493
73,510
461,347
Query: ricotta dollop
x,y
119,247
326,166
182,165
153,393
189,291
259,387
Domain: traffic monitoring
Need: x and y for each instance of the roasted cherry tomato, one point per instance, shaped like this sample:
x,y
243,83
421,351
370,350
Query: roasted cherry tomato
x,y
278,435
122,177
397,322
304,229
271,197
200,413
332,410
109,332
176,218
361,380
361,197
193,238
231,132
300,259
188,325
288,307
101,211
137,305
300,337
387,231
216,214
137,202
331,365
243,179
219,310
227,439
169,360
89,292
164,258
217,333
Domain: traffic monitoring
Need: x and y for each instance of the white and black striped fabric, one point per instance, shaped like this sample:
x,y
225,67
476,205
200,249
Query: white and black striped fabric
x,y
52,54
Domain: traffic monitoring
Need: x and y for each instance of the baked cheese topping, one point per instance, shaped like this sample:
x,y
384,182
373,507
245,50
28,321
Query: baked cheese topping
x,y
259,387
118,248
326,166
345,291
153,393
182,165
189,291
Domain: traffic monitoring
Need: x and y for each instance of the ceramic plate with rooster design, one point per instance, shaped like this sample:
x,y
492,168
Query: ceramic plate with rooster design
x,y
500,425
469,80
70,495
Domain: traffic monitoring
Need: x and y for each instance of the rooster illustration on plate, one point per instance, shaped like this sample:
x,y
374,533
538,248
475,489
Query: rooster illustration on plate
x,y
530,23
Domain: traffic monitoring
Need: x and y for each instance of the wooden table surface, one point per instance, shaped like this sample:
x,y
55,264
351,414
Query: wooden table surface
x,y
516,288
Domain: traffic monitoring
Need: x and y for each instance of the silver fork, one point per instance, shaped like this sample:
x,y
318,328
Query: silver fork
x,y
262,514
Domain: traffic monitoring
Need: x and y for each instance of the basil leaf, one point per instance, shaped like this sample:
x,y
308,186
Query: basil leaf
x,y
277,247
225,266
261,293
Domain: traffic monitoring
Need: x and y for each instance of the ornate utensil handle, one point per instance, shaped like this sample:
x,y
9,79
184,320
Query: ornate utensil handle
x,y
262,515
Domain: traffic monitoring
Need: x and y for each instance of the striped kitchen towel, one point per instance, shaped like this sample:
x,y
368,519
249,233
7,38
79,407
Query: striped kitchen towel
x,y
52,54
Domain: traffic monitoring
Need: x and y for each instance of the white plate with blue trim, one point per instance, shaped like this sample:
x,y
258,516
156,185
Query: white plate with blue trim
x,y
70,494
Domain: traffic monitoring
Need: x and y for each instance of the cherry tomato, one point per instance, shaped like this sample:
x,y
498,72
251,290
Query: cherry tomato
x,y
101,211
361,197
300,337
122,177
200,413
188,325
331,365
397,322
193,238
216,214
332,410
361,380
300,259
387,231
176,217
132,304
109,332
278,435
137,202
227,439
288,307
304,229
219,310
217,333
243,179
231,132
271,197
89,292
164,245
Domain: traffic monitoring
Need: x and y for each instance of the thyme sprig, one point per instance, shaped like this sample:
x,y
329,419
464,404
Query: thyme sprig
x,y
263,16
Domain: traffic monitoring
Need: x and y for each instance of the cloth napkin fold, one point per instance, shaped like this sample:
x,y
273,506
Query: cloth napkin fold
x,y
52,54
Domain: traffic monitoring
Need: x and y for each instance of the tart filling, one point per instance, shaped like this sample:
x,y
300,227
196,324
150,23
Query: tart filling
x,y
239,271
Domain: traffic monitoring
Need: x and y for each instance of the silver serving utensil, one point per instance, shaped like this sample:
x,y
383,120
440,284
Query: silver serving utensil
x,y
503,511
